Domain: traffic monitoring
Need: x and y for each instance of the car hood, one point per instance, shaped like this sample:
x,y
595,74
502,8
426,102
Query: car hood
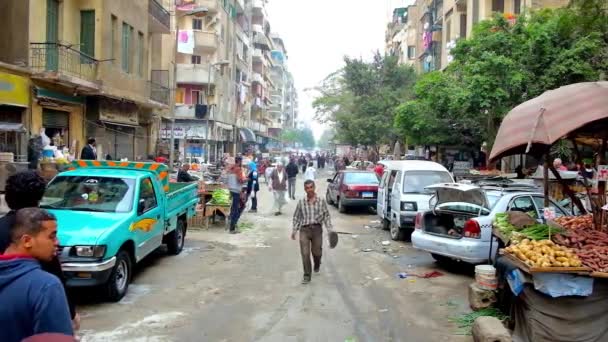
x,y
456,192
85,228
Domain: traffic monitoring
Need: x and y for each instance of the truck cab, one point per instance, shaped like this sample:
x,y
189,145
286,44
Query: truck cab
x,y
111,215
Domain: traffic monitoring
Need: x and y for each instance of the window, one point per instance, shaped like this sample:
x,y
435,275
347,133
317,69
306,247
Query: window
x,y
498,6
197,24
196,97
360,178
196,59
52,21
540,204
463,26
113,39
125,47
524,204
411,52
147,195
448,30
131,61
475,11
140,54
87,32
416,181
517,6
180,95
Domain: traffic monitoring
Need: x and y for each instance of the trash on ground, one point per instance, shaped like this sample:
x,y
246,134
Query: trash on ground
x,y
368,227
465,321
355,236
383,310
350,339
386,243
377,278
412,280
375,221
427,275
402,275
261,245
366,250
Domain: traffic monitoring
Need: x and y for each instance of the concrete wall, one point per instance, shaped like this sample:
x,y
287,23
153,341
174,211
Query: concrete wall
x,y
14,46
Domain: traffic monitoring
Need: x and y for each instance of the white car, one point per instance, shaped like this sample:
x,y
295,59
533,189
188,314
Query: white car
x,y
459,224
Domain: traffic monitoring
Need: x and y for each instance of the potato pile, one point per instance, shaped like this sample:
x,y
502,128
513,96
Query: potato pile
x,y
544,253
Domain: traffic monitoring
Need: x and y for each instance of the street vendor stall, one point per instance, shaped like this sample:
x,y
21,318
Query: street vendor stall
x,y
554,273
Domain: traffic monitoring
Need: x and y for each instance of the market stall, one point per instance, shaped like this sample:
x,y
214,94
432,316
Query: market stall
x,y
553,274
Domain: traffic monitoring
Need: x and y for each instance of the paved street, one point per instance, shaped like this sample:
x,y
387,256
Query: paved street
x,y
246,287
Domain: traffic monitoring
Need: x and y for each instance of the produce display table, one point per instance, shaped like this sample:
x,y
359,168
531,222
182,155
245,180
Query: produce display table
x,y
211,209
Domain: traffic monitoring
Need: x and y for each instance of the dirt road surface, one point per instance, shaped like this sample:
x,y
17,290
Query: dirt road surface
x,y
246,287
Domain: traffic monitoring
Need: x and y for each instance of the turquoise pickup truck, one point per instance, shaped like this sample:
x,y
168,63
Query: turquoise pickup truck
x,y
113,214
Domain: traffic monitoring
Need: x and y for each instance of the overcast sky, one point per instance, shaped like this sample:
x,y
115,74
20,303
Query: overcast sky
x,y
319,33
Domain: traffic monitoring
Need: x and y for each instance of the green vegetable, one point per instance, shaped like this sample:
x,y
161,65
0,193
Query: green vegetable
x,y
221,197
540,232
465,321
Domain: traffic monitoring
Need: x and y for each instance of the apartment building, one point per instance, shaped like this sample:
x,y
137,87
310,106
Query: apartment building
x,y
87,68
423,34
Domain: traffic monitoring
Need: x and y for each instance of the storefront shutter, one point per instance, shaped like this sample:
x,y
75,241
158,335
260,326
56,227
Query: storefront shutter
x,y
55,118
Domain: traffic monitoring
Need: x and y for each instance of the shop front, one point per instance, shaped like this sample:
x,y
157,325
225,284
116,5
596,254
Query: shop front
x,y
14,102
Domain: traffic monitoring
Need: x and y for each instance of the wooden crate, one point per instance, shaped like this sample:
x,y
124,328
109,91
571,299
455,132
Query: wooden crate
x,y
197,221
531,270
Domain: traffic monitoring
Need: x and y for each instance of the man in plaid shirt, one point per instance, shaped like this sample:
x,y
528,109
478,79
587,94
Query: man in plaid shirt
x,y
310,215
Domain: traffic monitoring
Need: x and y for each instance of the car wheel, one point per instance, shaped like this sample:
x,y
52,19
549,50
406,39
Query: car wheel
x,y
386,224
397,234
441,259
328,198
118,283
176,239
341,207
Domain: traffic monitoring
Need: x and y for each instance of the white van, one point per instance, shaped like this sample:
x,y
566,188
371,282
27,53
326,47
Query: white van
x,y
402,193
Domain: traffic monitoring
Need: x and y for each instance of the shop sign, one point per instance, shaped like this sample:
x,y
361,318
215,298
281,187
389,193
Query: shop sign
x,y
178,133
14,90
119,116
602,173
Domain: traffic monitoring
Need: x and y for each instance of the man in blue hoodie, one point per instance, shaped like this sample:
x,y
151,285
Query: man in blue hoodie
x,y
33,301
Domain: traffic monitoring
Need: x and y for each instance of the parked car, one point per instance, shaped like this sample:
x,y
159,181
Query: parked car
x,y
360,165
459,224
402,193
112,215
352,188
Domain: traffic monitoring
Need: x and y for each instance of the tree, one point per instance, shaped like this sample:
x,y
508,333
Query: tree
x,y
326,138
360,99
302,136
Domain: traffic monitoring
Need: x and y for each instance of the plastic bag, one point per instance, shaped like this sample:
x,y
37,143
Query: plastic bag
x,y
561,284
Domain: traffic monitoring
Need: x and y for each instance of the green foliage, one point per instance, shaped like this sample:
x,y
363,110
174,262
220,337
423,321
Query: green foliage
x,y
302,136
326,138
502,65
359,100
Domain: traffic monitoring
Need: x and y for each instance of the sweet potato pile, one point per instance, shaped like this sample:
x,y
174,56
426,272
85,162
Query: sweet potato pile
x,y
591,246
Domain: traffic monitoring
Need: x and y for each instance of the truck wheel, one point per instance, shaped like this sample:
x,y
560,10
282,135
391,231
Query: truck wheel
x,y
118,283
341,207
397,234
386,224
175,239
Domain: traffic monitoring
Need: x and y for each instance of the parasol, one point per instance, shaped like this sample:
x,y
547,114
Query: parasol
x,y
533,126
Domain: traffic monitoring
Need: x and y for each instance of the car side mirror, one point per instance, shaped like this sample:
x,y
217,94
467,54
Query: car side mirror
x,y
329,180
141,206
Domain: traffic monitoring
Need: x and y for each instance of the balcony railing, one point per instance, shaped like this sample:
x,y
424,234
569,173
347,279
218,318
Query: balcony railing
x,y
206,40
55,57
158,93
161,14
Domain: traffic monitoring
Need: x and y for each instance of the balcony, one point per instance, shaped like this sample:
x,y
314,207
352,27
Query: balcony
x,y
257,77
158,93
159,19
65,66
205,41
211,5
259,8
258,56
194,74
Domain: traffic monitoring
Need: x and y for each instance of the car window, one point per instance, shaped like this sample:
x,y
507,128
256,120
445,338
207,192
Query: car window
x,y
540,204
384,177
415,182
360,178
146,193
492,200
524,204
391,179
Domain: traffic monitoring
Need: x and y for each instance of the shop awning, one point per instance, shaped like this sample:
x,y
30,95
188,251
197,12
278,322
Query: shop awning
x,y
11,127
223,126
247,135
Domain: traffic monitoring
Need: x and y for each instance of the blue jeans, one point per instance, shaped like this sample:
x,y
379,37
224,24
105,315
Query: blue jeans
x,y
235,210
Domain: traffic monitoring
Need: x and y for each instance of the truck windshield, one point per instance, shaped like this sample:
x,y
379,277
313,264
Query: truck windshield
x,y
86,193
415,182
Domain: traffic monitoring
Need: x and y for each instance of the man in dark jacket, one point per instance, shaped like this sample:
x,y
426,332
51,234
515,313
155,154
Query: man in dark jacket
x,y
33,301
292,171
89,152
24,190
183,176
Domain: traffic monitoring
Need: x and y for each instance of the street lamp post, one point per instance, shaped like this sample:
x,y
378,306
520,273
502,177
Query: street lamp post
x,y
195,12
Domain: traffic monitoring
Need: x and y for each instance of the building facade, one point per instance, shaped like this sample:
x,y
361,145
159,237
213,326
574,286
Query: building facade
x,y
88,66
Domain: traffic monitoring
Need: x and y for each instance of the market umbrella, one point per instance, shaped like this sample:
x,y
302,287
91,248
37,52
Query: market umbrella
x,y
533,126
397,151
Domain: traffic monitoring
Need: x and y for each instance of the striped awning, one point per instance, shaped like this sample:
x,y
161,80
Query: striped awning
x,y
535,125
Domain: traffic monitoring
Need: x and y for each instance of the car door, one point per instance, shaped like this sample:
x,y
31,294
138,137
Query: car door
x,y
380,201
331,187
540,205
147,227
396,194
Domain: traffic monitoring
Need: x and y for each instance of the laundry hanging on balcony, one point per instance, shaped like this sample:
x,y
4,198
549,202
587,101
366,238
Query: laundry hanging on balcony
x,y
185,41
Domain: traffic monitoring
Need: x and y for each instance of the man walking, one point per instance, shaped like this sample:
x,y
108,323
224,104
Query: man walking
x,y
253,186
235,185
33,301
311,172
292,172
278,185
310,215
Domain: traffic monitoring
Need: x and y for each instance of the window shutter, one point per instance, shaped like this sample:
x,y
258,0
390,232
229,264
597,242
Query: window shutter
x,y
87,32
